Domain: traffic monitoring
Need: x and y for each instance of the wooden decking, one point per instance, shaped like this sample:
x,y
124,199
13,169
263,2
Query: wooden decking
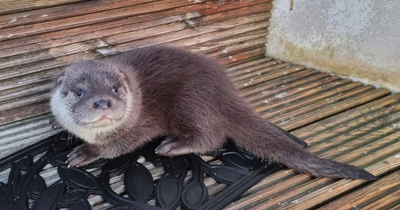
x,y
339,119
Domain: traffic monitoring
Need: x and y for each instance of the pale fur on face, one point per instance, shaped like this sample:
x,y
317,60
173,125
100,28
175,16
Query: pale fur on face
x,y
62,110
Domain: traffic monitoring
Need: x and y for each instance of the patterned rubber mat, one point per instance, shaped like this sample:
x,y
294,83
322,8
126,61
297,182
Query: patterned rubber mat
x,y
180,186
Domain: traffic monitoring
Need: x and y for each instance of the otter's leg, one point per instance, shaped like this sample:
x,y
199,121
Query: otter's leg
x,y
174,146
83,155
171,146
88,153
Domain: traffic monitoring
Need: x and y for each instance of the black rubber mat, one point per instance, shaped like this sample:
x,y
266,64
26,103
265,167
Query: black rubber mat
x,y
27,189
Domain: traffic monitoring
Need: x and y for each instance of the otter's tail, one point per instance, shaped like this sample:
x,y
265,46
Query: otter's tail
x,y
274,144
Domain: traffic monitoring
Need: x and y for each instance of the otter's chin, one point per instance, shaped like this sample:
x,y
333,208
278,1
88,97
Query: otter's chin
x,y
103,122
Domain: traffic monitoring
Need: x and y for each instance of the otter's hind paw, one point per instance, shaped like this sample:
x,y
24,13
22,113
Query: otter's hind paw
x,y
171,147
82,155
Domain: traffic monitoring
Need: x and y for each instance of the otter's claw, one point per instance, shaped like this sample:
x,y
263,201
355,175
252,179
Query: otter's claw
x,y
54,123
82,155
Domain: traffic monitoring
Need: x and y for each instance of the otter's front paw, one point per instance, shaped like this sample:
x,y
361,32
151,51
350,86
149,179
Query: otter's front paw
x,y
82,155
54,123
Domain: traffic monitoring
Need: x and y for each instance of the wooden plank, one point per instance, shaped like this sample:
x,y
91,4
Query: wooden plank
x,y
85,19
361,147
52,64
239,56
240,45
29,110
332,109
187,11
36,56
248,64
269,76
28,99
284,198
227,11
63,11
387,161
132,26
326,128
136,36
10,73
40,127
243,25
264,196
88,38
290,193
297,92
340,97
338,188
369,132
223,42
325,98
256,93
82,33
396,207
42,71
16,127
389,200
346,144
19,135
20,5
25,90
248,73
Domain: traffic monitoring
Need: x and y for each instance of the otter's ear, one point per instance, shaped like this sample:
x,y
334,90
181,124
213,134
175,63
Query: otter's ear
x,y
123,75
60,78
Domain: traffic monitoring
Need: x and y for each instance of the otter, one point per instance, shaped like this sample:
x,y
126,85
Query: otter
x,y
118,104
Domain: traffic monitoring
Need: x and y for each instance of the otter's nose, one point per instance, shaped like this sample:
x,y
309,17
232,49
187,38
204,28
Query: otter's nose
x,y
102,104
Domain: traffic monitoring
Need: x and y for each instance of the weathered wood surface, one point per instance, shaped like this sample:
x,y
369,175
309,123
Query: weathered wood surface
x,y
9,6
365,133
339,119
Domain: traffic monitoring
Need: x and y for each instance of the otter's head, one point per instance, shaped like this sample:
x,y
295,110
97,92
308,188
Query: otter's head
x,y
93,98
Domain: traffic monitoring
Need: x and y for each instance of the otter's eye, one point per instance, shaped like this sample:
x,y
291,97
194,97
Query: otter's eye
x,y
79,93
114,89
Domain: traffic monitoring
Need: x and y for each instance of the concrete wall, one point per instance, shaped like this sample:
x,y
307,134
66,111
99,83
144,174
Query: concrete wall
x,y
355,38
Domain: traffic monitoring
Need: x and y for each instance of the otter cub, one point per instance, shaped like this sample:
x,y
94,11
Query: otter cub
x,y
120,103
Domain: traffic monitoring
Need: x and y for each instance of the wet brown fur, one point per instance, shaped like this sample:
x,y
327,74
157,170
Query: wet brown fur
x,y
190,99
